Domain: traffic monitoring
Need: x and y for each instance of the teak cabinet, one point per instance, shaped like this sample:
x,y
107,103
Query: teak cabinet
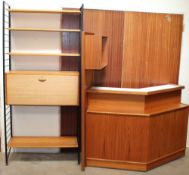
x,y
114,76
134,128
95,50
39,88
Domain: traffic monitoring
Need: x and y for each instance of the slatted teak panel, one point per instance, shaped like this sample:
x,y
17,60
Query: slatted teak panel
x,y
151,49
110,24
144,48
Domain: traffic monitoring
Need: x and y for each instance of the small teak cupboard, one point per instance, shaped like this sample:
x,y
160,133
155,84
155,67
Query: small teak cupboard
x,y
113,74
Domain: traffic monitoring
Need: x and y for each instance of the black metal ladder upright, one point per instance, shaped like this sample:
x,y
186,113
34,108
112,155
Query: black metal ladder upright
x,y
80,84
7,109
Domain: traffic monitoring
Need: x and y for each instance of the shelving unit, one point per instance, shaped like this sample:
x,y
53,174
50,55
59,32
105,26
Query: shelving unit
x,y
38,87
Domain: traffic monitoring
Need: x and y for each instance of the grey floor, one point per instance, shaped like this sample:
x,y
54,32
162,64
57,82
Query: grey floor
x,y
66,164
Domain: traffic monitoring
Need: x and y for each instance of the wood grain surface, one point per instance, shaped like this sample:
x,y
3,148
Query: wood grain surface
x,y
71,44
110,24
43,142
116,103
117,137
124,139
95,51
43,29
144,50
151,51
44,11
40,89
167,133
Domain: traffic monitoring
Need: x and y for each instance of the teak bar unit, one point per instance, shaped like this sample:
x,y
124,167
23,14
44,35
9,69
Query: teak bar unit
x,y
132,115
136,129
42,87
116,84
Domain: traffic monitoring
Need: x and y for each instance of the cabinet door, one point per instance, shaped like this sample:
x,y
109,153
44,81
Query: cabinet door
x,y
42,89
116,137
95,51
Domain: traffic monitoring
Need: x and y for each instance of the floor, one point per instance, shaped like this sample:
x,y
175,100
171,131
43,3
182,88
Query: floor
x,y
66,164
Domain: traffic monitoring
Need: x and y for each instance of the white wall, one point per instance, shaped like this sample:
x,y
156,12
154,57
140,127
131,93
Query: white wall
x,y
165,6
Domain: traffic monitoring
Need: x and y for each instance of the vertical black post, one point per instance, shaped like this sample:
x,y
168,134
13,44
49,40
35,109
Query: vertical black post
x,y
10,68
81,22
4,105
6,8
80,82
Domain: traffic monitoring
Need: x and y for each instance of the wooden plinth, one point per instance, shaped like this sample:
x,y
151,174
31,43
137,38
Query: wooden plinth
x,y
135,165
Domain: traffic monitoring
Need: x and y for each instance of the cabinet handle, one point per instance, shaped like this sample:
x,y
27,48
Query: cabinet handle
x,y
42,79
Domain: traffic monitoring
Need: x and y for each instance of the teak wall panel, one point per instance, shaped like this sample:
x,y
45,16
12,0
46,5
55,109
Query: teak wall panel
x,y
70,42
151,53
68,120
110,24
93,21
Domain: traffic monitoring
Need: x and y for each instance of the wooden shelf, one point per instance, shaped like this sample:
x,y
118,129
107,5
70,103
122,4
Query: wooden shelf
x,y
44,11
43,142
44,30
27,72
43,54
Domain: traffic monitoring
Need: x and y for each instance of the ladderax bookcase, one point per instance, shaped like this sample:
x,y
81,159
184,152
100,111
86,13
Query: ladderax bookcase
x,y
49,39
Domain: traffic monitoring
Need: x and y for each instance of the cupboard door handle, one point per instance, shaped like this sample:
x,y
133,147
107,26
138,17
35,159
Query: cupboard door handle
x,y
42,79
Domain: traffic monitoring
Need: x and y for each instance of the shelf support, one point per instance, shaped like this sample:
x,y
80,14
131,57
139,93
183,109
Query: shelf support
x,y
7,108
80,84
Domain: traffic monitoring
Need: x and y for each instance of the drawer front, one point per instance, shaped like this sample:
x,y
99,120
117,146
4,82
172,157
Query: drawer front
x,y
42,89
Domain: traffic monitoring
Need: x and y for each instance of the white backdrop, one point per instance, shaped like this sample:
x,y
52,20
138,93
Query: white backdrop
x,y
164,6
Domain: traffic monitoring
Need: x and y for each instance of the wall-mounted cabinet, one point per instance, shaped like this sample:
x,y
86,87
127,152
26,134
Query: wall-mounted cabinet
x,y
95,51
